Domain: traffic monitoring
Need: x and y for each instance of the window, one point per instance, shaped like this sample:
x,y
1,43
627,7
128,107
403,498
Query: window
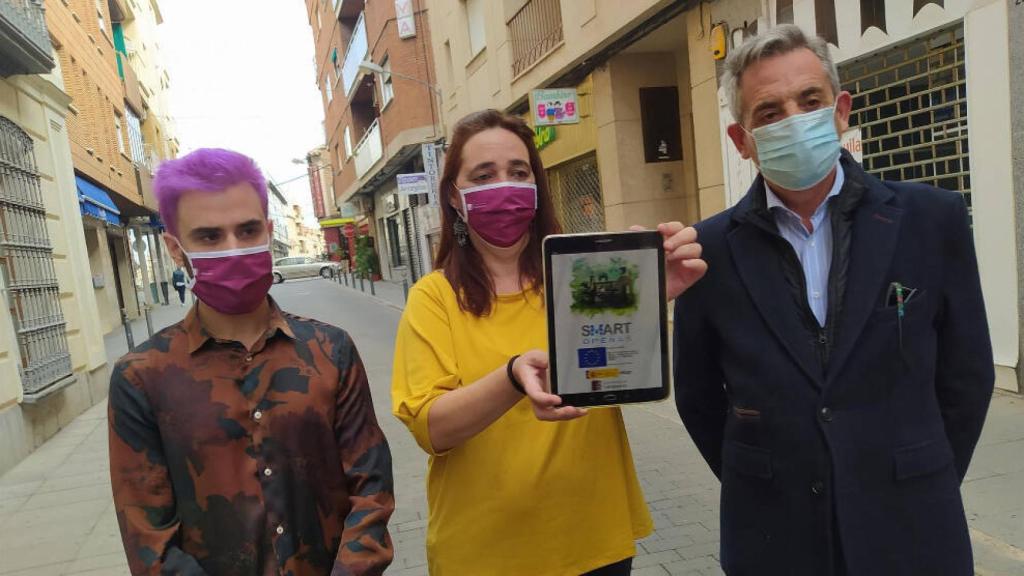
x,y
136,143
337,63
328,90
450,72
99,15
534,31
348,143
30,292
475,20
120,133
387,89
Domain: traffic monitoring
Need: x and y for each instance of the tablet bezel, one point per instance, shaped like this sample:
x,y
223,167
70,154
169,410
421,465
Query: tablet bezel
x,y
606,242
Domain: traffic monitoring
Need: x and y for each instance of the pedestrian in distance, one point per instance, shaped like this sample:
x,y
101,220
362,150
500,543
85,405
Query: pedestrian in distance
x,y
243,439
517,484
834,367
178,280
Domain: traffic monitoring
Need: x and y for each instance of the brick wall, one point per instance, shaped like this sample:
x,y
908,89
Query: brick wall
x,y
412,105
89,69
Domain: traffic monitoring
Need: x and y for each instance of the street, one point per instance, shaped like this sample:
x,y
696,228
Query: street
x,y
56,513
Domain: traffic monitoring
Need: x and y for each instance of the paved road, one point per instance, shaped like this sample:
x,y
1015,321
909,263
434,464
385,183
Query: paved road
x,y
56,517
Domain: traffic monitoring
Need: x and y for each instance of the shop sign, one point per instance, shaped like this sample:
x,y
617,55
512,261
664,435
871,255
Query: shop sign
x,y
412,184
405,18
543,135
554,106
851,140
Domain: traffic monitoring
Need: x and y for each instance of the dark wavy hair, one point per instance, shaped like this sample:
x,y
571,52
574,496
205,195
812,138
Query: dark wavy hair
x,y
462,265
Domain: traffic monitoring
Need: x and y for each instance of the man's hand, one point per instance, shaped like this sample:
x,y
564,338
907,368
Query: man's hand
x,y
683,265
531,370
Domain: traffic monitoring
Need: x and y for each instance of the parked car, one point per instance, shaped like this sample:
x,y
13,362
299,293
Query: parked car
x,y
303,267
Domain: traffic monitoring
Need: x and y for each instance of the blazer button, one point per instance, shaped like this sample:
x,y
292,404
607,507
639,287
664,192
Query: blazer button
x,y
826,414
817,487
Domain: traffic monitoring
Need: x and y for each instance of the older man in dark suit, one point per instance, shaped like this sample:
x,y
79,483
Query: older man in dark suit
x,y
834,366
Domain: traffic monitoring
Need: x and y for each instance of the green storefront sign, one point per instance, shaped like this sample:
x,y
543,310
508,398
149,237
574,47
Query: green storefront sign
x,y
543,135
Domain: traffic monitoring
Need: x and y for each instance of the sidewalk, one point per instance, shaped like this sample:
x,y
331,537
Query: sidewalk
x,y
387,292
161,316
56,512
57,518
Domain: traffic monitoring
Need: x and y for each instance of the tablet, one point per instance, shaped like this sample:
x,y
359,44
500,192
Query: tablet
x,y
606,312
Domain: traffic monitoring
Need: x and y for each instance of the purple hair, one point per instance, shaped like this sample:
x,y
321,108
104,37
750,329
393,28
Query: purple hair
x,y
204,170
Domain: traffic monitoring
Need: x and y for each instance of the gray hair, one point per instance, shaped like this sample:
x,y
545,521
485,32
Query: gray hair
x,y
776,41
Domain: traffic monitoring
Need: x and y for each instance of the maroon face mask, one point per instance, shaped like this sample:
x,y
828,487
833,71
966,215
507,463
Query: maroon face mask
x,y
500,213
231,281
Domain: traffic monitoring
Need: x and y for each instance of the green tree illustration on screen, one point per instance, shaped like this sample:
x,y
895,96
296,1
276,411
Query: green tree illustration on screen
x,y
607,286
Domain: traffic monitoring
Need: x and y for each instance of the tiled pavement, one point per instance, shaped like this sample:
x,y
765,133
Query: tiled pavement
x,y
56,516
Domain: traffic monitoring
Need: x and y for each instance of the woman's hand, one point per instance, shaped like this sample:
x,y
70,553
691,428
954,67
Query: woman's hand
x,y
531,370
683,265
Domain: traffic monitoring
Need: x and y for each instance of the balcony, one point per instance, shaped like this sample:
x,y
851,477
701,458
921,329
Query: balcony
x,y
535,30
132,88
346,9
369,149
354,55
24,42
144,180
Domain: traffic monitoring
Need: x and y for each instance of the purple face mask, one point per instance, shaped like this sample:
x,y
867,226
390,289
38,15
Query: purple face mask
x,y
231,281
502,212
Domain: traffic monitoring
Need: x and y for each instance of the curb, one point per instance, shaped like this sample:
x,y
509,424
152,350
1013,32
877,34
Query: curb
x,y
379,300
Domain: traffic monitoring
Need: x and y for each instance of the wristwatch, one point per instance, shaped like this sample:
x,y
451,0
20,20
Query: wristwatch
x,y
512,377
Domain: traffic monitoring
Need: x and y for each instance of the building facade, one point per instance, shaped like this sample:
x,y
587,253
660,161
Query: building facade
x,y
629,68
337,222
382,118
52,359
931,103
109,77
930,81
278,210
305,240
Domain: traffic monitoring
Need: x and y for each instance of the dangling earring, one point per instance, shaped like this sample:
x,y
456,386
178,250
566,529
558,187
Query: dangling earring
x,y
461,232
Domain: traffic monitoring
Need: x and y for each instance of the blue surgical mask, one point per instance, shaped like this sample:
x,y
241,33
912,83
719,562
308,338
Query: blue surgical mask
x,y
800,151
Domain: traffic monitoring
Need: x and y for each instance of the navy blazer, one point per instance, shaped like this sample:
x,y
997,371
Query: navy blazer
x,y
868,450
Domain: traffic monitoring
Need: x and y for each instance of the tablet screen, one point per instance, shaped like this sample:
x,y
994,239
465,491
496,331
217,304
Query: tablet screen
x,y
606,312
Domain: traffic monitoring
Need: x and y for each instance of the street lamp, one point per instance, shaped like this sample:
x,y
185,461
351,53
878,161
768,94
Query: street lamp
x,y
368,66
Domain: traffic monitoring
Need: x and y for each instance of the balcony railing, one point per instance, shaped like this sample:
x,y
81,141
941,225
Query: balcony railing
x,y
535,30
354,55
24,42
369,149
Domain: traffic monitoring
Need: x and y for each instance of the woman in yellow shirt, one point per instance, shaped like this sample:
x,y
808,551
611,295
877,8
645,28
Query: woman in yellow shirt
x,y
517,484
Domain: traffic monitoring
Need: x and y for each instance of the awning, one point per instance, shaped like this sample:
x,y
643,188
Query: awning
x,y
335,222
95,202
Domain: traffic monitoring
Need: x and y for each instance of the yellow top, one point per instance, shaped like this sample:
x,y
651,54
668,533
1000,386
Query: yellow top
x,y
523,496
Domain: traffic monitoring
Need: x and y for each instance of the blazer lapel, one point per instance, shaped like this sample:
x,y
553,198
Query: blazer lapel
x,y
875,233
760,268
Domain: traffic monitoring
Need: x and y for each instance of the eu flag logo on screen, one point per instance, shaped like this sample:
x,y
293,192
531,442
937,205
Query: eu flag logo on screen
x,y
592,357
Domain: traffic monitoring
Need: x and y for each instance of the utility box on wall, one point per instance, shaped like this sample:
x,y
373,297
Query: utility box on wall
x,y
659,119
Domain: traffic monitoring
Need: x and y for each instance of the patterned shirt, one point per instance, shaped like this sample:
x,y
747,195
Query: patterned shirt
x,y
225,461
814,249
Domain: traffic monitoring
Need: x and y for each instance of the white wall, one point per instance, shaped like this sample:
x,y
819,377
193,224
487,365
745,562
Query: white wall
x,y
988,110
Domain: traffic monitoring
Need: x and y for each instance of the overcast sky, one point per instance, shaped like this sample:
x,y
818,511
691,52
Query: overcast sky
x,y
243,77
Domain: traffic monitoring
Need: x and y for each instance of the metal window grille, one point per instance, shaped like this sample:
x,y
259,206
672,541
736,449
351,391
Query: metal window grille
x,y
535,30
911,105
576,194
26,262
412,231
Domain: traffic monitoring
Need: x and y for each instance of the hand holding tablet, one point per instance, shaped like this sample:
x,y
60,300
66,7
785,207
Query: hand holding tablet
x,y
607,316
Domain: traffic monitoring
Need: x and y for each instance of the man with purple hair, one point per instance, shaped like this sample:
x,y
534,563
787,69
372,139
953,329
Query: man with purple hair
x,y
243,439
